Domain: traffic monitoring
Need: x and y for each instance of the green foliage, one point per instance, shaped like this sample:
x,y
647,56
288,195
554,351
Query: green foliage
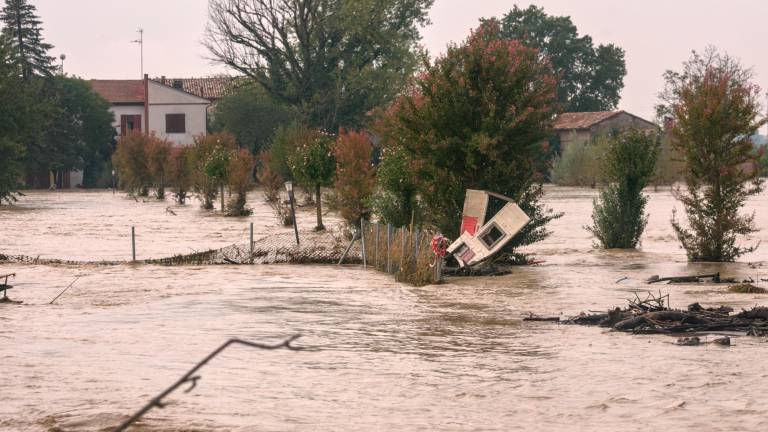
x,y
180,172
628,166
354,180
579,163
158,156
332,60
15,124
21,28
669,167
396,199
10,169
476,120
313,165
252,115
716,109
589,78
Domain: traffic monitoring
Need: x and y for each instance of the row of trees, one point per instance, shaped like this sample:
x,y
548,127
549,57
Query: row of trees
x,y
205,168
50,123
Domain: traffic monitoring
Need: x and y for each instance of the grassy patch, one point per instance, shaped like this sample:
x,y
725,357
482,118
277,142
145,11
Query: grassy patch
x,y
746,288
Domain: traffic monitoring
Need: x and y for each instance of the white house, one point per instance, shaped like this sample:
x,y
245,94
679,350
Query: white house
x,y
147,105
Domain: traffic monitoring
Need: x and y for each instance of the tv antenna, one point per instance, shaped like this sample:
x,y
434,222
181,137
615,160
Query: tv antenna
x,y
140,41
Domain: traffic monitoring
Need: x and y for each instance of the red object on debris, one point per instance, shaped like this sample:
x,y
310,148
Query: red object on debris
x,y
439,245
468,224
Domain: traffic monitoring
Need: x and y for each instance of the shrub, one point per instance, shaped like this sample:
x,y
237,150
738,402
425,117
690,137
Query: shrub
x,y
180,172
270,180
354,180
239,181
204,148
669,167
628,165
158,155
313,165
131,162
396,198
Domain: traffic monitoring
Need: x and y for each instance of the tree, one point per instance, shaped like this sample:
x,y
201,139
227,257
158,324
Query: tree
x,y
78,134
216,163
15,124
628,166
21,27
252,115
476,120
334,60
589,78
354,181
313,165
716,109
239,180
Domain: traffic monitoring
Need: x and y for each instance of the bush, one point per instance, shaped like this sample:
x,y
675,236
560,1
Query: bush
x,y
131,161
158,155
204,148
180,169
628,165
354,180
239,181
396,198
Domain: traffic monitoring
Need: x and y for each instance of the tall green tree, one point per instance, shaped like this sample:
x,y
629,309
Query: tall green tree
x,y
589,78
334,60
16,123
313,165
715,105
475,121
22,28
252,115
628,165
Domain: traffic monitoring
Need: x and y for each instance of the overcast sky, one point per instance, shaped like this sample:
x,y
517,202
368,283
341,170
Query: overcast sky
x,y
656,34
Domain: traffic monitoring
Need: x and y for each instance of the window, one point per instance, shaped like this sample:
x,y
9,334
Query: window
x,y
175,123
129,123
492,236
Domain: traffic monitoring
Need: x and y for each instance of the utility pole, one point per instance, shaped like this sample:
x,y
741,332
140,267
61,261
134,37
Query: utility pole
x,y
62,57
140,41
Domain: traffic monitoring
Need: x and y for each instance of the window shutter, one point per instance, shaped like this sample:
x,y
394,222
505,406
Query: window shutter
x,y
175,123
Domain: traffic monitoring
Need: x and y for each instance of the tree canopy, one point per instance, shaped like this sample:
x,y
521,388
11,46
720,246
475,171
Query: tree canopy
x,y
334,60
589,78
22,29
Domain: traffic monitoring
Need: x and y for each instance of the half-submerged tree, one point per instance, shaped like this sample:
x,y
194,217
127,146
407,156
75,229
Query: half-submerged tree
x,y
313,166
131,161
333,60
716,109
476,120
354,181
239,180
180,167
158,156
589,78
628,166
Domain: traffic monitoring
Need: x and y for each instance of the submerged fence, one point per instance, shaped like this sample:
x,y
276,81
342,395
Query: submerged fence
x,y
405,252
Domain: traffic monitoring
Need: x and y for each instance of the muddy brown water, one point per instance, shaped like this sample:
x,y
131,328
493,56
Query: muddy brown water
x,y
387,356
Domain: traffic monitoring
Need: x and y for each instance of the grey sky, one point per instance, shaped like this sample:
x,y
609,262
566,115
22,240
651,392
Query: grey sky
x,y
656,34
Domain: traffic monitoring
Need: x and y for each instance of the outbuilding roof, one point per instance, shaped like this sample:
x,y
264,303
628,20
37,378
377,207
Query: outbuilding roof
x,y
582,120
120,91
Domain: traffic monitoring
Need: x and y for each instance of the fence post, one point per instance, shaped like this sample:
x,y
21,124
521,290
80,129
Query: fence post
x,y
405,240
376,247
133,243
250,244
389,248
362,241
415,250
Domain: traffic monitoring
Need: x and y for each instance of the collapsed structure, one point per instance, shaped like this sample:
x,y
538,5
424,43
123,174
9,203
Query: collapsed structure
x,y
479,240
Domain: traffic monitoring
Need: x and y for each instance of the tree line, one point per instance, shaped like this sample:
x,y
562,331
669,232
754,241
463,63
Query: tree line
x,y
50,123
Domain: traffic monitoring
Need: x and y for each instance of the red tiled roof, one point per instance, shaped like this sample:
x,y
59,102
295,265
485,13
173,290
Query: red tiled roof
x,y
582,120
211,88
120,91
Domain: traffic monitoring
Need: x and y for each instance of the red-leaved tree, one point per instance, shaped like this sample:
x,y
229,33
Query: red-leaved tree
x,y
354,181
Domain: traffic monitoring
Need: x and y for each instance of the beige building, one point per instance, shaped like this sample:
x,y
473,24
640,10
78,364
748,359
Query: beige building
x,y
147,105
585,126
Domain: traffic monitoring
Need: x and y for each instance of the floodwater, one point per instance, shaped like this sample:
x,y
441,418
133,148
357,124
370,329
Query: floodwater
x,y
384,357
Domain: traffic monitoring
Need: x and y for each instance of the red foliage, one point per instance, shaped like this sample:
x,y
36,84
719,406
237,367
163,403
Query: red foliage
x,y
354,181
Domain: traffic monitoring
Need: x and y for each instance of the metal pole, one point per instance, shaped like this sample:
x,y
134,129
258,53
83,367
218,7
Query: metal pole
x,y
250,244
293,215
133,243
362,241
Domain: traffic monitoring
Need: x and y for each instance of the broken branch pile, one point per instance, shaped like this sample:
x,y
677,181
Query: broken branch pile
x,y
653,316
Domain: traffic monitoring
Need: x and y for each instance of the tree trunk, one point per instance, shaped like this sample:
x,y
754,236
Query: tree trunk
x,y
222,197
319,207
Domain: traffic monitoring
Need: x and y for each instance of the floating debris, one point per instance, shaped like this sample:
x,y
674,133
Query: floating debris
x,y
746,288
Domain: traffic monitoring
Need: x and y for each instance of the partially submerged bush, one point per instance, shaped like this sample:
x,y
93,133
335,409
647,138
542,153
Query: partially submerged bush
x,y
204,148
619,213
158,155
180,166
314,165
239,181
746,288
131,163
354,180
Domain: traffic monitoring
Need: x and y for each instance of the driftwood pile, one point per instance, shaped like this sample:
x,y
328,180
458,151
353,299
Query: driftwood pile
x,y
653,316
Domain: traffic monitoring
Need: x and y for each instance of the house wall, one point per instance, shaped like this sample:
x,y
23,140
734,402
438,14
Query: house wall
x,y
166,100
621,122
